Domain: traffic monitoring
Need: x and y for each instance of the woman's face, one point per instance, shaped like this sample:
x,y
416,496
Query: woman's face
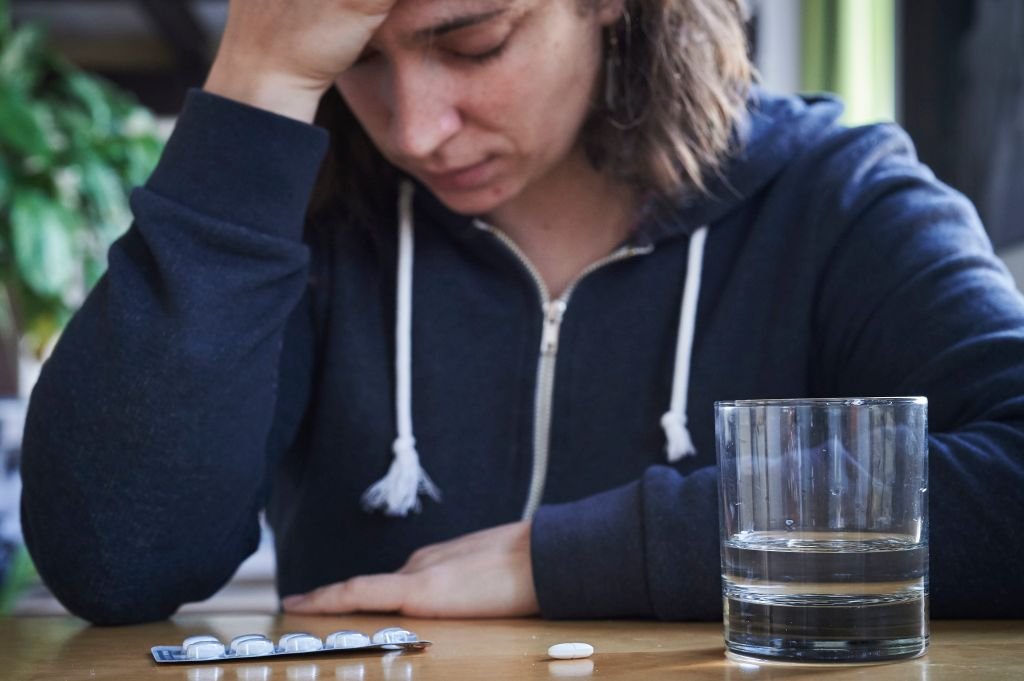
x,y
479,99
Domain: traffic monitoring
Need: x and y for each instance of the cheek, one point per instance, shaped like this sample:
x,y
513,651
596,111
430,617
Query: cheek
x,y
573,73
547,106
496,103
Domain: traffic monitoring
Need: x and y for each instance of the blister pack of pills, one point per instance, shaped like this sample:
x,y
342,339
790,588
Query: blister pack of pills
x,y
247,647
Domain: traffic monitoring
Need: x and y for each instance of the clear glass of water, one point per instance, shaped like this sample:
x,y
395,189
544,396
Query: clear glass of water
x,y
824,527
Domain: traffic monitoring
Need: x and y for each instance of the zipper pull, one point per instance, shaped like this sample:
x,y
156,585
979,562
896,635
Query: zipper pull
x,y
553,313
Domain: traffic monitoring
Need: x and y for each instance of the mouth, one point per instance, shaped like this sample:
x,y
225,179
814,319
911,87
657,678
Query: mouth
x,y
464,178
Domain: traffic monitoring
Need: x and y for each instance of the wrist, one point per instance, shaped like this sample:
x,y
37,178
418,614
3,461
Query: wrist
x,y
277,93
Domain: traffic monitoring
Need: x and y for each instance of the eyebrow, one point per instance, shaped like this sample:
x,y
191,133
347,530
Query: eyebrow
x,y
455,24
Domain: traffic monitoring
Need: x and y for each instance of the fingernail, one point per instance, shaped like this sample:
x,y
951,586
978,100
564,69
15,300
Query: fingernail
x,y
292,601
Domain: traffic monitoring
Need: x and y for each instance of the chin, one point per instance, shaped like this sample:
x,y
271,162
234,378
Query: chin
x,y
476,202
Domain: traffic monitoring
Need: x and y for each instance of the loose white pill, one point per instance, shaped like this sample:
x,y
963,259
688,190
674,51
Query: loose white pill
x,y
300,642
341,640
394,635
570,651
204,650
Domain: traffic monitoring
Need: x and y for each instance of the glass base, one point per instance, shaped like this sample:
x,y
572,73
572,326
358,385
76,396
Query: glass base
x,y
827,653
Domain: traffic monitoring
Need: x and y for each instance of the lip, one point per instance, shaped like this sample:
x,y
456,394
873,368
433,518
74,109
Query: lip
x,y
466,178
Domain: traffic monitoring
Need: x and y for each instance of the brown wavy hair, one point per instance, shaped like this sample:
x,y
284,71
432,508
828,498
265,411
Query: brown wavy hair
x,y
682,77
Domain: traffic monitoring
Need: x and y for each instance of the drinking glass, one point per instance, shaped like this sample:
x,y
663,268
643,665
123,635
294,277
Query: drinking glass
x,y
824,528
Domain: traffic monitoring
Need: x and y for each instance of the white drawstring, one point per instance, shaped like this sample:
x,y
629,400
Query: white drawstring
x,y
677,435
398,492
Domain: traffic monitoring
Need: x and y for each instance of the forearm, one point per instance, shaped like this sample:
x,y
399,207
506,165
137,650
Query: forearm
x,y
647,549
144,450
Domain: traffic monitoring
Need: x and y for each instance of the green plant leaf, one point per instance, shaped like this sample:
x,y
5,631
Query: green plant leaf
x,y
76,125
8,323
42,326
93,97
106,198
22,573
39,316
43,245
21,58
141,158
5,183
22,128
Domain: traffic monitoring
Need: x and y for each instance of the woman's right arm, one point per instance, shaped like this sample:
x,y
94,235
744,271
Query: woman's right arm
x,y
144,460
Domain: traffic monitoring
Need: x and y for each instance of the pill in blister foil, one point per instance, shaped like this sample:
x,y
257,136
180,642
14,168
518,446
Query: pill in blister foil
x,y
300,642
394,635
192,640
343,640
204,650
248,647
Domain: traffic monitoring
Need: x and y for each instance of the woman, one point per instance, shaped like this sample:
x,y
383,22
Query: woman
x,y
549,234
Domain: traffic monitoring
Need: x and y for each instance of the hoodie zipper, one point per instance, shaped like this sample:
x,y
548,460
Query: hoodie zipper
x,y
553,312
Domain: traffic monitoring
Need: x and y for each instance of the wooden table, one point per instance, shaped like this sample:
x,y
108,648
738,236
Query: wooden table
x,y
66,648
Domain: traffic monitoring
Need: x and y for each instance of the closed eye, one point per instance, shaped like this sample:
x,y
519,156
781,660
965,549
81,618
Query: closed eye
x,y
485,56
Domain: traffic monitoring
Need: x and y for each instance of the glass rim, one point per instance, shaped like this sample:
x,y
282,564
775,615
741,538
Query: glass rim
x,y
825,402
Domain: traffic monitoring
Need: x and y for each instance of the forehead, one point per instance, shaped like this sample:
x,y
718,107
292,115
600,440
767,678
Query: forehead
x,y
415,15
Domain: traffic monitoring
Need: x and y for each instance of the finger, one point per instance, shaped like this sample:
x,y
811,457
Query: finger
x,y
369,593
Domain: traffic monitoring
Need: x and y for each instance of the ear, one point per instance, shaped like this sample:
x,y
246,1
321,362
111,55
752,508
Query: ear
x,y
609,12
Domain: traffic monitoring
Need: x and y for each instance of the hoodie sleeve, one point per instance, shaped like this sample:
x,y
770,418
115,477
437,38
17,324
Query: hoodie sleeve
x,y
909,300
631,552
144,455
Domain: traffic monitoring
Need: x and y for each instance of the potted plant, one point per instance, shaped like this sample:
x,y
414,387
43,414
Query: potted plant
x,y
71,148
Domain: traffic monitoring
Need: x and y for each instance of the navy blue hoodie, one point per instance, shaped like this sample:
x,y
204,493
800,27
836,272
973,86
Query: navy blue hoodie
x,y
227,363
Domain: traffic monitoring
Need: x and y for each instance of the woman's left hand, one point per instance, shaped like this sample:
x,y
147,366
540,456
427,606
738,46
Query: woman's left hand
x,y
483,574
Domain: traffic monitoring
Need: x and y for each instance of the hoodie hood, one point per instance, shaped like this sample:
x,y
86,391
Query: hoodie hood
x,y
775,130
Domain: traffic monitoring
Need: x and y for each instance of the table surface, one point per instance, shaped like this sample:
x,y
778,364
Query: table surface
x,y
68,649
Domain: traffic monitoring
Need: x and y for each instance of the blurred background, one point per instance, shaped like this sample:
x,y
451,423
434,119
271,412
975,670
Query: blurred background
x,y
89,90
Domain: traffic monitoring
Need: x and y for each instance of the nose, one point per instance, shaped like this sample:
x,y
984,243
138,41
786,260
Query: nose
x,y
424,112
